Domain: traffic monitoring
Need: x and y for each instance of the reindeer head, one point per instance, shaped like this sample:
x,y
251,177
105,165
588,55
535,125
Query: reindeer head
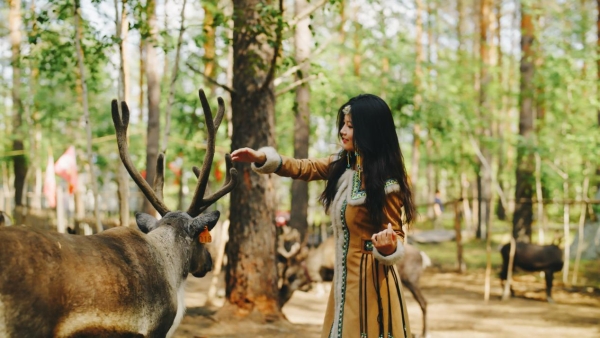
x,y
191,222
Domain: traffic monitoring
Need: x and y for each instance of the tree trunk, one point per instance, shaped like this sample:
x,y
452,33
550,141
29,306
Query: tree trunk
x,y
414,170
303,44
228,12
356,40
174,76
598,75
485,114
86,111
19,160
523,215
35,135
142,49
153,84
431,89
210,64
501,125
342,34
251,276
122,28
540,199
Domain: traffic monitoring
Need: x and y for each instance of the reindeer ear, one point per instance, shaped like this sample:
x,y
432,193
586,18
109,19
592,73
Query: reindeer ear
x,y
207,219
145,222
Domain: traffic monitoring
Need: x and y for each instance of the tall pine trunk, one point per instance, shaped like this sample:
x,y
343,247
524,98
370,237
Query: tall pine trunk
x,y
251,276
19,160
486,116
418,81
598,84
86,112
523,215
303,43
153,90
210,64
122,29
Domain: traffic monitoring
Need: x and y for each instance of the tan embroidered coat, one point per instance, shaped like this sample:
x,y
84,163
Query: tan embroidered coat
x,y
354,303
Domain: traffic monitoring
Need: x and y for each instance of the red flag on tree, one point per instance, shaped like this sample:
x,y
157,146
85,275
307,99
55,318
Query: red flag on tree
x,y
66,167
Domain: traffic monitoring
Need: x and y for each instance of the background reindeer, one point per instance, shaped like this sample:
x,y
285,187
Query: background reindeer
x,y
120,282
533,257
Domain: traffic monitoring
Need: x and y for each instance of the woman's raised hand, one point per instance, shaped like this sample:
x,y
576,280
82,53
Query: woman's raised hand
x,y
385,241
249,155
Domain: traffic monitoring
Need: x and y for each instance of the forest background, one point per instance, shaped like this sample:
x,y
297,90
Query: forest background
x,y
496,105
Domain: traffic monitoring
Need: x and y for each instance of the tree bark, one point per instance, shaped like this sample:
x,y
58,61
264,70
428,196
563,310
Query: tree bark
x,y
86,111
486,116
501,125
210,64
418,81
251,276
19,160
356,41
122,28
598,75
523,215
153,90
174,76
303,44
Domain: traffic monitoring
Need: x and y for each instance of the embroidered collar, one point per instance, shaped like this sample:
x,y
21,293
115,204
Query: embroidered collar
x,y
357,193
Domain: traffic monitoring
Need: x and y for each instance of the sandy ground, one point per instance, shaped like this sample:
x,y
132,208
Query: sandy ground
x,y
456,308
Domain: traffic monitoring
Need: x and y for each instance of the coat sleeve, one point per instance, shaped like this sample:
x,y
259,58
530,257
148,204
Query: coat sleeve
x,y
392,213
305,169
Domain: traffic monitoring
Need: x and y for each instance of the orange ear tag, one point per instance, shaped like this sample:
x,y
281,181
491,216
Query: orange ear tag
x,y
205,236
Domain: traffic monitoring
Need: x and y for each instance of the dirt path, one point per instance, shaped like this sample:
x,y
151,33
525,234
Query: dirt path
x,y
456,309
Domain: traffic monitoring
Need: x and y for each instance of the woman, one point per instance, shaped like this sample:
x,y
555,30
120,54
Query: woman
x,y
366,189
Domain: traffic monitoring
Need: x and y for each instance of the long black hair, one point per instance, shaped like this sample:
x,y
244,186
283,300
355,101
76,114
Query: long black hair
x,y
376,140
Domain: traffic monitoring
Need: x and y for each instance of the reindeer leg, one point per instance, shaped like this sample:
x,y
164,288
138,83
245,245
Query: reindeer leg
x,y
416,292
549,277
504,275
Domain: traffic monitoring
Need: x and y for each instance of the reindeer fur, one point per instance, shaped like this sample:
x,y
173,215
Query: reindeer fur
x,y
121,282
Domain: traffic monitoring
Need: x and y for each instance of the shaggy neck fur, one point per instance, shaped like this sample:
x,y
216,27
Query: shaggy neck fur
x,y
176,263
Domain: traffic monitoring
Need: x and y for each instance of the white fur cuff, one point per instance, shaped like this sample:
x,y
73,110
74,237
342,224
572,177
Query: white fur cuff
x,y
272,164
390,259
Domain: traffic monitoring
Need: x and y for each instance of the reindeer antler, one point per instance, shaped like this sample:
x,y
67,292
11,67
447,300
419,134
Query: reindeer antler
x,y
121,124
155,194
199,203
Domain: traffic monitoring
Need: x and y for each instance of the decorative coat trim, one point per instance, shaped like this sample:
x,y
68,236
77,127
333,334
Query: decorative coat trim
x,y
393,258
358,196
341,234
272,164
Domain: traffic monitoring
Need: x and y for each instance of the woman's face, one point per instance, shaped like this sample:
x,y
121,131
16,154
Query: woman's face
x,y
347,133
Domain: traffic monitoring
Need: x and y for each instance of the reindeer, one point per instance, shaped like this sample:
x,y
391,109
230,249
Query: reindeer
x,y
532,257
121,282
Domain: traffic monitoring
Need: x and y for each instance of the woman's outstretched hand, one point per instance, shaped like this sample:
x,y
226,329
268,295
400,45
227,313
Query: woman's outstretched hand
x,y
249,155
385,241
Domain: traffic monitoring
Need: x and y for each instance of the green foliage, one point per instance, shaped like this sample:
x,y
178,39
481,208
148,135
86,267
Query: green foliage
x,y
370,50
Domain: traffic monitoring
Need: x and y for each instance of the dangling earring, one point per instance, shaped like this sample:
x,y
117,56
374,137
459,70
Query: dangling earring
x,y
348,158
358,162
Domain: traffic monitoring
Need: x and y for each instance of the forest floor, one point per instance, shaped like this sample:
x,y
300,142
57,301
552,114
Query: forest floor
x,y
455,309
